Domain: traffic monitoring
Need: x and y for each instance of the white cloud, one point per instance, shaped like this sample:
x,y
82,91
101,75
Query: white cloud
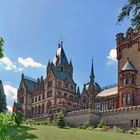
x,y
10,91
112,57
9,108
9,65
29,62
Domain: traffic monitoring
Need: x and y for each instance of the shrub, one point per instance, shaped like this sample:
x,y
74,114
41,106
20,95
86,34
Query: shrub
x,y
102,123
117,129
85,125
60,120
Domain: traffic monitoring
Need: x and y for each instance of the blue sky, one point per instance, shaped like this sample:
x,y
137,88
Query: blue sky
x,y
32,28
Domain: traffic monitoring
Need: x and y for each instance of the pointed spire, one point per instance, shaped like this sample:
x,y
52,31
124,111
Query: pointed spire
x,y
92,76
78,90
22,76
71,63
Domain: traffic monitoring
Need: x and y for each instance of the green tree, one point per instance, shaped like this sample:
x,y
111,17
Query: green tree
x,y
3,105
18,118
1,47
131,10
60,120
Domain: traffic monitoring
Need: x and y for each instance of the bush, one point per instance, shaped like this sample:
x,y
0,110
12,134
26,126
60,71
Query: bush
x,y
60,120
102,123
117,129
85,126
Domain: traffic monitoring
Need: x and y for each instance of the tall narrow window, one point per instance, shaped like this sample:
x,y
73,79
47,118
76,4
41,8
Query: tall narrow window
x,y
131,123
136,123
124,99
129,99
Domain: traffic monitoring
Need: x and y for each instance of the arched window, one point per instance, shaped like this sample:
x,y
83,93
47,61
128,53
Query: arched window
x,y
128,98
124,99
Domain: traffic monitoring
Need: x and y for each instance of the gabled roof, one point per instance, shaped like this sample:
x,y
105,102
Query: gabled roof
x,y
128,66
29,83
62,75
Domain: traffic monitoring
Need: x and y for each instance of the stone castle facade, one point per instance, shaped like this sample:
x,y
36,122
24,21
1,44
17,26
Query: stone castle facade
x,y
119,104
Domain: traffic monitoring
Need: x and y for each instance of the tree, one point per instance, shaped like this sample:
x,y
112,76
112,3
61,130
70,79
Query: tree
x,y
1,47
2,99
60,120
131,10
18,118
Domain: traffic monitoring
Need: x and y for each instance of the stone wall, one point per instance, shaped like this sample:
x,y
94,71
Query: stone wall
x,y
118,117
77,118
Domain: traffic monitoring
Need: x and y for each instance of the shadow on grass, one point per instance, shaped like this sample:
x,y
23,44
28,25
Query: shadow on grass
x,y
21,133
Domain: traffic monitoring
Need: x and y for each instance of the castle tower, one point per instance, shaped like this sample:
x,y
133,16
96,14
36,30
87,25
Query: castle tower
x,y
128,55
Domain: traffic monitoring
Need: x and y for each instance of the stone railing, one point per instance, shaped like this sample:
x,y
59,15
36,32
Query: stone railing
x,y
113,111
83,111
121,110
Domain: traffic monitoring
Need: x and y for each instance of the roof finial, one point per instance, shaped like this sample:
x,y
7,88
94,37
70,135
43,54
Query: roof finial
x,y
128,58
61,43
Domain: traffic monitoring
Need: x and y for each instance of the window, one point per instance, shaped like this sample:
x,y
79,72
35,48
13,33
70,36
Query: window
x,y
66,85
71,87
36,99
136,123
43,97
129,98
39,98
49,84
49,93
59,83
59,94
65,94
129,80
124,99
131,123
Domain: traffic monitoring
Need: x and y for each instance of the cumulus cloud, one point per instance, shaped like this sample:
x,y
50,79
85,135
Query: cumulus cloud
x,y
9,108
10,91
112,57
11,95
29,62
9,65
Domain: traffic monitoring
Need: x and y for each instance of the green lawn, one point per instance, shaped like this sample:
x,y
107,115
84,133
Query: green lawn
x,y
54,133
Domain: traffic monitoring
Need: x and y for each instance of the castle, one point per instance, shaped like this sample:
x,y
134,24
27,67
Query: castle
x,y
119,104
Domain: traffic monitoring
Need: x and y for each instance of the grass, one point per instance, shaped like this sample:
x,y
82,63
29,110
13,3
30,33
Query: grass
x,y
54,133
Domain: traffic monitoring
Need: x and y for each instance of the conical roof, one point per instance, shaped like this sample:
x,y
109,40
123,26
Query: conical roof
x,y
60,58
128,66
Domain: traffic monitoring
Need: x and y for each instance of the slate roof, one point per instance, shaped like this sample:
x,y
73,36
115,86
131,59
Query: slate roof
x,y
29,83
18,105
60,58
128,66
96,86
62,75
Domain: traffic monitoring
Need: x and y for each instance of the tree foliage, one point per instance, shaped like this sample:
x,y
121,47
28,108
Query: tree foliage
x,y
18,118
60,120
1,47
131,10
3,105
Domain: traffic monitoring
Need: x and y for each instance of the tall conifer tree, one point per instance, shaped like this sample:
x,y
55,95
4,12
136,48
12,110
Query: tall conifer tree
x,y
2,99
